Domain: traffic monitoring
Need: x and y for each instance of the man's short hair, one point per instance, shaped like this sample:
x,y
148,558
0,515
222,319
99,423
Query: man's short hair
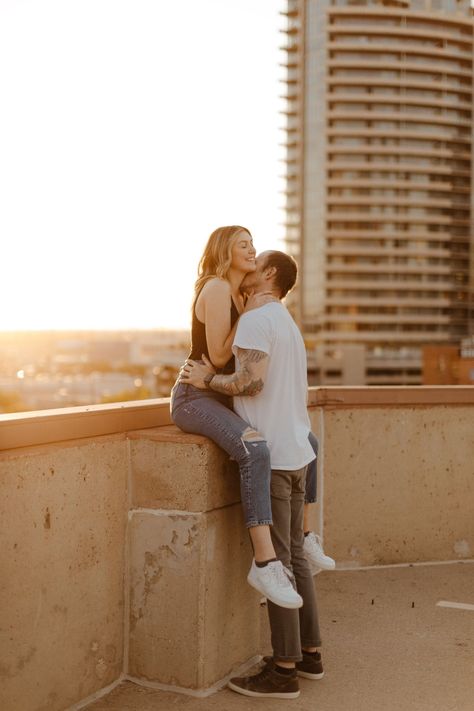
x,y
286,271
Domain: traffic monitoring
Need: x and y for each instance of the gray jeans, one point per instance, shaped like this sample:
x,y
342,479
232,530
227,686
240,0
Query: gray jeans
x,y
292,629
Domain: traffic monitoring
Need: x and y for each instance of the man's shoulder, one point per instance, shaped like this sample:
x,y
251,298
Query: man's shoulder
x,y
262,315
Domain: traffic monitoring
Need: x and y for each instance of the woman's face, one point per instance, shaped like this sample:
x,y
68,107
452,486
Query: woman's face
x,y
243,253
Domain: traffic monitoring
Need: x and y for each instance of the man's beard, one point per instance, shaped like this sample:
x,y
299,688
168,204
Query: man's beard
x,y
247,285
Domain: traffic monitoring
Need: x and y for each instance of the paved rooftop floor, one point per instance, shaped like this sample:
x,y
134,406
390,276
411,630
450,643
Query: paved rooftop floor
x,y
387,647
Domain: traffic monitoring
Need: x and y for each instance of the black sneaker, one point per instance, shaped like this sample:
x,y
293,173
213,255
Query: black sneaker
x,y
267,683
311,666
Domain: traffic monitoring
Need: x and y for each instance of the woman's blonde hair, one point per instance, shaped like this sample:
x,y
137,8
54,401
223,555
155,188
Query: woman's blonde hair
x,y
217,256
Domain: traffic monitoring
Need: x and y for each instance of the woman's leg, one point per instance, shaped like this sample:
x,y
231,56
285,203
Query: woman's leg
x,y
210,417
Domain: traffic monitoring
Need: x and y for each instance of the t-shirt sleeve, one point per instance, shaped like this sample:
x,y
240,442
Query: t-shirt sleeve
x,y
253,333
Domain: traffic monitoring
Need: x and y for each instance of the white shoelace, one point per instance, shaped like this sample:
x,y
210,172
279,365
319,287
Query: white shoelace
x,y
281,575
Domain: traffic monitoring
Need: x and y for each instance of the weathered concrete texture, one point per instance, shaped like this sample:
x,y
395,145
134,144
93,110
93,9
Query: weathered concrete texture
x,y
63,513
385,656
167,475
193,617
398,484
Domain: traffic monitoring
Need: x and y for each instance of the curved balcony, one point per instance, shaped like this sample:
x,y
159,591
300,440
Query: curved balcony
x,y
390,284
408,202
375,65
381,217
398,84
400,49
399,117
380,235
443,20
399,32
399,338
399,100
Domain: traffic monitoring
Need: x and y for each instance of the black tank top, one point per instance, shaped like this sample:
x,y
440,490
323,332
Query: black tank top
x,y
199,342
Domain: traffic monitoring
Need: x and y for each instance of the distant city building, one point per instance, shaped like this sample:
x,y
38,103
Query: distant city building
x,y
42,370
449,365
379,195
109,350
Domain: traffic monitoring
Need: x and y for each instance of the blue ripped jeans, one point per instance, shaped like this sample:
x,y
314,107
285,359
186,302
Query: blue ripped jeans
x,y
210,414
207,413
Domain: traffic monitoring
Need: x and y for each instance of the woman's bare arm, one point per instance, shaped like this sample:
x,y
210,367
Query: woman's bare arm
x,y
213,308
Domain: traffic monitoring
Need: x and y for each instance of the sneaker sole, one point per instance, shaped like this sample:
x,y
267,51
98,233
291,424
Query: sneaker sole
x,y
272,695
319,566
308,675
287,605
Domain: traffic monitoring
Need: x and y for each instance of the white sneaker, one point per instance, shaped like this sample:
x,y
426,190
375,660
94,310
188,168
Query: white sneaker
x,y
315,555
274,581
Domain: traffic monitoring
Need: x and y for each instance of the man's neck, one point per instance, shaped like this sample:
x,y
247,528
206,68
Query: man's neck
x,y
269,292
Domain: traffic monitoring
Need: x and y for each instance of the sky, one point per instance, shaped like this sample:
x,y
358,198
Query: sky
x,y
129,130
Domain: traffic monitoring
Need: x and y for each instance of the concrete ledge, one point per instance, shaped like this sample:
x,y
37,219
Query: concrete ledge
x,y
174,470
335,397
26,429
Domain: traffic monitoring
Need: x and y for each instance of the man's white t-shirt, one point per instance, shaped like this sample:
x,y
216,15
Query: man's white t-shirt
x,y
279,411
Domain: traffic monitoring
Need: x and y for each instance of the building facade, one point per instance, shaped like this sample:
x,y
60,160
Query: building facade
x,y
379,195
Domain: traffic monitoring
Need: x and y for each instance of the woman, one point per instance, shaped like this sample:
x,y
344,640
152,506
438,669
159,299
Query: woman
x,y
228,256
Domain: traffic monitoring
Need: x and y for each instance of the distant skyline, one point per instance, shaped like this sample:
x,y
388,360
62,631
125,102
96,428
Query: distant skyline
x,y
130,129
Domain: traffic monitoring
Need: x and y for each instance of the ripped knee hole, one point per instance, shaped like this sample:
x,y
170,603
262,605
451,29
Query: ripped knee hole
x,y
251,435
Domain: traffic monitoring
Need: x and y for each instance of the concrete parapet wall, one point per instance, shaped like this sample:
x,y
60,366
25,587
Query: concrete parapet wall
x,y
397,482
121,555
63,514
193,618
124,550
173,470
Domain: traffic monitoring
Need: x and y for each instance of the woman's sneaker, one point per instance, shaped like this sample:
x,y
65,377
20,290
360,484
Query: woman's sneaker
x,y
274,581
268,683
315,555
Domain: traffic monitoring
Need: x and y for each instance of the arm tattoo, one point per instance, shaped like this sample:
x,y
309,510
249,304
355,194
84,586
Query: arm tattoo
x,y
246,356
245,381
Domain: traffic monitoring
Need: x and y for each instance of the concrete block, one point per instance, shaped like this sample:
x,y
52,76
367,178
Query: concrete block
x,y
172,470
63,512
193,617
399,484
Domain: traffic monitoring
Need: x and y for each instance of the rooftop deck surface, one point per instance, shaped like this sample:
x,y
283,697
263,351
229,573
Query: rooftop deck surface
x,y
387,647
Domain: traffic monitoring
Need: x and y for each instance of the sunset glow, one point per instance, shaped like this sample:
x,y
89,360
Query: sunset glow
x,y
132,129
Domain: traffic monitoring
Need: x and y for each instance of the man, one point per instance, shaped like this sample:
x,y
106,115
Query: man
x,y
270,391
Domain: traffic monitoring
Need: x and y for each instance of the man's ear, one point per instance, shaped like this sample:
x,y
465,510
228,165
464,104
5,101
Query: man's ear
x,y
269,273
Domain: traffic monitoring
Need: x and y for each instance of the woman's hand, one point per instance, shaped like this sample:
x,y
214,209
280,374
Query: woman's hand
x,y
193,373
254,301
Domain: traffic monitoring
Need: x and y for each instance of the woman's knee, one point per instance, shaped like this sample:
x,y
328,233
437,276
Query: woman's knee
x,y
255,446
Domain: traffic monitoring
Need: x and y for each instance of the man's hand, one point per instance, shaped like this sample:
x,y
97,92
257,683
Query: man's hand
x,y
193,373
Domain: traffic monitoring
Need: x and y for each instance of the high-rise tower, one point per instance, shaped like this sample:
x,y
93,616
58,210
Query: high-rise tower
x,y
379,195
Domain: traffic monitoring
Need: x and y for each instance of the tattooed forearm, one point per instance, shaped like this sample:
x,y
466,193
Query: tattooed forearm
x,y
235,385
253,388
248,379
